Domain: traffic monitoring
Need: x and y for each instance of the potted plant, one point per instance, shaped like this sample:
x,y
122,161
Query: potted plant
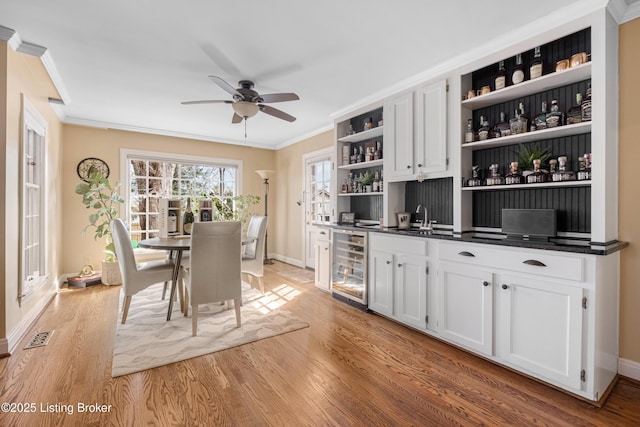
x,y
366,180
99,196
526,157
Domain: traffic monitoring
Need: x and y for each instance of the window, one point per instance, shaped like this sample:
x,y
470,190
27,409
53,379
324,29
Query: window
x,y
319,190
151,176
32,204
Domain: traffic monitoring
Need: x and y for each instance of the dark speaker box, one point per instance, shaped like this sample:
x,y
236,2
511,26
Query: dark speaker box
x,y
529,222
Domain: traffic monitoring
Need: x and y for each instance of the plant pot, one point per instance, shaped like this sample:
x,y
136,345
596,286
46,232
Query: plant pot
x,y
111,273
367,189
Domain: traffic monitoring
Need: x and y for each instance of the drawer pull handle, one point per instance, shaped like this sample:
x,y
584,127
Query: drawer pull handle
x,y
419,165
485,283
408,167
323,233
399,265
504,286
465,253
534,262
388,262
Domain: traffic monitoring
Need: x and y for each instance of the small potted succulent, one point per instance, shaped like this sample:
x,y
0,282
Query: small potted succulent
x,y
99,196
366,180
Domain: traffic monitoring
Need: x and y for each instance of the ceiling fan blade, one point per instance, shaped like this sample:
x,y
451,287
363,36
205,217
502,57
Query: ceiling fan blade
x,y
279,97
207,101
224,85
236,118
276,113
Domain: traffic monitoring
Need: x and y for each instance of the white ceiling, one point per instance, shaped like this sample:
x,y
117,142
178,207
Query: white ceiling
x,y
127,64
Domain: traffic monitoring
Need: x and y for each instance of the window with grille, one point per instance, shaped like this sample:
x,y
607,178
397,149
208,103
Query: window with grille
x,y
33,210
151,176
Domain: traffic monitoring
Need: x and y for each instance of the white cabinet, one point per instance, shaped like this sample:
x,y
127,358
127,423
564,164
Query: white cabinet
x,y
541,327
415,132
323,265
466,306
398,279
410,279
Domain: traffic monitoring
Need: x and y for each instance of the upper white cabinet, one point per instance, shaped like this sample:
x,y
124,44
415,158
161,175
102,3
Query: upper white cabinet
x,y
415,132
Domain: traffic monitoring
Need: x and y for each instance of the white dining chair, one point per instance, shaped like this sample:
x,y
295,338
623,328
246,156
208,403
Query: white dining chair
x,y
253,256
135,277
213,271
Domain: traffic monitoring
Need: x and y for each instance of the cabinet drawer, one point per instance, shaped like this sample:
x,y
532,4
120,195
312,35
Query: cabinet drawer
x,y
538,262
405,244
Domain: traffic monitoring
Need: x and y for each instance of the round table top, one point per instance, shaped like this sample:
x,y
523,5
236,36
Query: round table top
x,y
176,243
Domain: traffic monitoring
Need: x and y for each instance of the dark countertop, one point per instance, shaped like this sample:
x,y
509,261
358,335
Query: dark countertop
x,y
574,246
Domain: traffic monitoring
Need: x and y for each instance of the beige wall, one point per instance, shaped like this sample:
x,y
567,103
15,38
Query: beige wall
x,y
81,142
26,76
287,220
629,207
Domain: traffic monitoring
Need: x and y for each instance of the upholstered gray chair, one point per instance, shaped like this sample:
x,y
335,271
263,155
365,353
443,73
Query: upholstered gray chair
x,y
253,257
135,277
213,272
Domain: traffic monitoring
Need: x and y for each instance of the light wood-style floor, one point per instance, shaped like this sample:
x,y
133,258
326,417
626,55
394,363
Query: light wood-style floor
x,y
347,368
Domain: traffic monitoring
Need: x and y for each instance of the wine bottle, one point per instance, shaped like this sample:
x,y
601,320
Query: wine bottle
x,y
468,136
188,218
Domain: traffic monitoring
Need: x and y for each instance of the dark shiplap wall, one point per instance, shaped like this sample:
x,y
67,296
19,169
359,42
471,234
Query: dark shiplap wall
x,y
435,194
367,207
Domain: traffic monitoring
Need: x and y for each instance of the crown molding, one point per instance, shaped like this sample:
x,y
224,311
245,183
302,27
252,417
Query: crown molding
x,y
304,136
153,131
31,49
632,12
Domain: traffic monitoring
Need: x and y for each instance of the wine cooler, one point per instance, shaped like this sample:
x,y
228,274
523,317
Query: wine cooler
x,y
349,272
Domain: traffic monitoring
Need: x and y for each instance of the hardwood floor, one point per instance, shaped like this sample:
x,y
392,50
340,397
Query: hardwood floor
x,y
347,368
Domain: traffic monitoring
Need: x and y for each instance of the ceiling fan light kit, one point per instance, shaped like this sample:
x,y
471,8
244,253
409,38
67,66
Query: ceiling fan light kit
x,y
247,102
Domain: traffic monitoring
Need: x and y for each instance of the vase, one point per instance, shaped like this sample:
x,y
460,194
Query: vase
x,y
111,273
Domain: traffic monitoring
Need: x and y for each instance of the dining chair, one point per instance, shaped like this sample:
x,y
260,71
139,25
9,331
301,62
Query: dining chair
x,y
213,271
135,277
253,256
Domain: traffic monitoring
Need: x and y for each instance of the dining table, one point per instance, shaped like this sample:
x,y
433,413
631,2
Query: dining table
x,y
176,245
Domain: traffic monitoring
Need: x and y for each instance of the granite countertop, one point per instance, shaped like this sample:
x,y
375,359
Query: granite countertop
x,y
575,246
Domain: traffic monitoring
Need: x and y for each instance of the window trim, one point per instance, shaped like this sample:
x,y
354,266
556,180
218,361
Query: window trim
x,y
126,154
32,119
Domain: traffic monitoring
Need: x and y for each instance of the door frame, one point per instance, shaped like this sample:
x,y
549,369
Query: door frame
x,y
323,153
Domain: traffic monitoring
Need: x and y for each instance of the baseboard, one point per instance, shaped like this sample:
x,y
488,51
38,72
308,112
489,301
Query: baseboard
x,y
629,368
4,348
292,261
14,337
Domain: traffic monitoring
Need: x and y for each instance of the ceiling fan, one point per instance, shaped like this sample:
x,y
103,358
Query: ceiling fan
x,y
247,102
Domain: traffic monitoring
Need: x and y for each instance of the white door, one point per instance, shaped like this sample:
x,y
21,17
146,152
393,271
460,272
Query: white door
x,y
323,265
380,282
466,306
431,128
317,200
542,327
411,284
398,136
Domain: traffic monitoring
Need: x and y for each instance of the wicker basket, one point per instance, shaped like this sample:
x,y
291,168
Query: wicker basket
x,y
111,273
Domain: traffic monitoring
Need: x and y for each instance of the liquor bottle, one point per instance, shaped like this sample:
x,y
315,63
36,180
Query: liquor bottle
x,y
188,219
555,117
502,128
205,215
535,70
541,119
351,131
538,175
562,174
354,156
584,171
376,182
523,120
513,177
468,136
501,78
475,178
514,123
360,155
483,130
350,183
381,185
574,115
369,154
494,177
586,104
553,166
518,72
377,155
345,186
172,222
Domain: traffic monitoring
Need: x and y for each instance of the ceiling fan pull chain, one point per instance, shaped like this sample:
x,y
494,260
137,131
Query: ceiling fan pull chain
x,y
245,130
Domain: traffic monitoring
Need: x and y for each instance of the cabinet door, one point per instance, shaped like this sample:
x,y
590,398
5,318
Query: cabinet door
x,y
381,282
398,136
411,289
466,306
431,128
541,324
323,265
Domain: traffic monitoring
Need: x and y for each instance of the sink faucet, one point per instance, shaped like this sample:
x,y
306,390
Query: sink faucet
x,y
425,224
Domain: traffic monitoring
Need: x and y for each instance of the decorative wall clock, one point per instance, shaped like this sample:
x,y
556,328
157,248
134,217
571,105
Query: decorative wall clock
x,y
90,164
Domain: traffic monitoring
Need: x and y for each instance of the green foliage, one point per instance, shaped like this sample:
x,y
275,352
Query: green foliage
x,y
237,208
527,156
367,178
103,198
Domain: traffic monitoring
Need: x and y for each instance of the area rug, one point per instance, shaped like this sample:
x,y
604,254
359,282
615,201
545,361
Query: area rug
x,y
148,340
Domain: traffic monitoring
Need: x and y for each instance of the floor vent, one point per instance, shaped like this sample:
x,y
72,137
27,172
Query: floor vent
x,y
39,339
